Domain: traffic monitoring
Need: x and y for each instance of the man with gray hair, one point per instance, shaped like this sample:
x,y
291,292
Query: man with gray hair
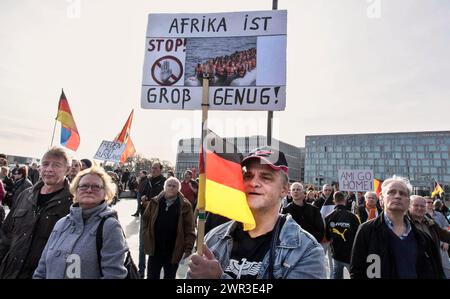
x,y
391,246
419,213
27,228
370,210
169,232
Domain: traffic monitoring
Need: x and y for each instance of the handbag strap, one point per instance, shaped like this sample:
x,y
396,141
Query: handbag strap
x,y
99,243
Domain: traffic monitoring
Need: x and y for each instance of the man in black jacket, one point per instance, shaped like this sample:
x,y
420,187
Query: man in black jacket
x,y
154,186
340,229
306,215
325,204
390,246
325,198
25,231
155,183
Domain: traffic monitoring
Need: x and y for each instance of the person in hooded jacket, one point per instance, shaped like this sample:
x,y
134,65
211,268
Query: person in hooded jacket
x,y
73,238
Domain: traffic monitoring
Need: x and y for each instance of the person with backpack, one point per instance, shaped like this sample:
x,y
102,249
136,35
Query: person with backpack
x,y
72,250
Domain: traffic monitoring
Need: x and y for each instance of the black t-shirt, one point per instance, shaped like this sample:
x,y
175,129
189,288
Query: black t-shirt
x,y
247,254
44,198
165,230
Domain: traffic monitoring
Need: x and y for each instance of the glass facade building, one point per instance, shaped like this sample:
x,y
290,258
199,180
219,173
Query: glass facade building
x,y
188,150
420,156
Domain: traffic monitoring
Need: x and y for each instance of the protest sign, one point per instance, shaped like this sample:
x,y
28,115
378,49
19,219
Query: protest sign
x,y
244,53
355,180
110,151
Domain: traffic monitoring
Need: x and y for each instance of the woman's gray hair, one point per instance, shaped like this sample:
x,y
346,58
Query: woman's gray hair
x,y
172,179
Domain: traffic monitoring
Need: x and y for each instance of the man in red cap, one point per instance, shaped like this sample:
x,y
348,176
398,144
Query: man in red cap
x,y
277,247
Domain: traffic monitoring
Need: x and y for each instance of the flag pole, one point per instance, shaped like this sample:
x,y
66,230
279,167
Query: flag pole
x,y
270,113
202,183
53,135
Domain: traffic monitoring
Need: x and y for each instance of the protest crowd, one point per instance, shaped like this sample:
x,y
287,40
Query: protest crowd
x,y
63,207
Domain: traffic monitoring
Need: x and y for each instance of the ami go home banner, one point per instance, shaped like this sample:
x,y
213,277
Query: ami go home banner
x,y
244,53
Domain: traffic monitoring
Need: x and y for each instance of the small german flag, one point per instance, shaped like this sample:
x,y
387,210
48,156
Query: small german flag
x,y
224,184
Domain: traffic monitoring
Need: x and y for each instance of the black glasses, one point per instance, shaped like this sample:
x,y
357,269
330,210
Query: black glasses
x,y
94,188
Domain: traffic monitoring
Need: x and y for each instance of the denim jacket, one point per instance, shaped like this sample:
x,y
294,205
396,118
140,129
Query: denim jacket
x,y
297,256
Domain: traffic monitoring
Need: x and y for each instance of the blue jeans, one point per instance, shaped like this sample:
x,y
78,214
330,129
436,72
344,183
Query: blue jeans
x,y
327,250
338,269
142,263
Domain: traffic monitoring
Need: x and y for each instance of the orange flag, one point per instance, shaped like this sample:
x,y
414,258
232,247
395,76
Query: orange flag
x,y
125,133
124,137
128,152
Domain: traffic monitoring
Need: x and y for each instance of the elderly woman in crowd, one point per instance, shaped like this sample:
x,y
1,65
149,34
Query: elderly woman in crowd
x,y
169,235
71,250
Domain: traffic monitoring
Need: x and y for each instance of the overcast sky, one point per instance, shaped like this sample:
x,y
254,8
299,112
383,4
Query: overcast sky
x,y
353,66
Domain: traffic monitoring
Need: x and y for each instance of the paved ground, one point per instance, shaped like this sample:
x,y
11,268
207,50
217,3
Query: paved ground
x,y
125,208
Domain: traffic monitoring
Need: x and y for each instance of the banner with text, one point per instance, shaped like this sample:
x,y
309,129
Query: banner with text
x,y
355,180
110,151
244,53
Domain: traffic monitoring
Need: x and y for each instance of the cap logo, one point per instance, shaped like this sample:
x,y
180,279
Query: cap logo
x,y
263,153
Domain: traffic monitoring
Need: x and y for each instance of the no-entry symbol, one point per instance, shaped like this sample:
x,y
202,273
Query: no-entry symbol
x,y
167,70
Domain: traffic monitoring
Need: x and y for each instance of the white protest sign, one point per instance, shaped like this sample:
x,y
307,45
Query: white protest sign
x,y
110,151
244,52
355,180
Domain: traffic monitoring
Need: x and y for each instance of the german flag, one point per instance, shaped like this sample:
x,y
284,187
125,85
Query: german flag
x,y
224,184
70,137
377,186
